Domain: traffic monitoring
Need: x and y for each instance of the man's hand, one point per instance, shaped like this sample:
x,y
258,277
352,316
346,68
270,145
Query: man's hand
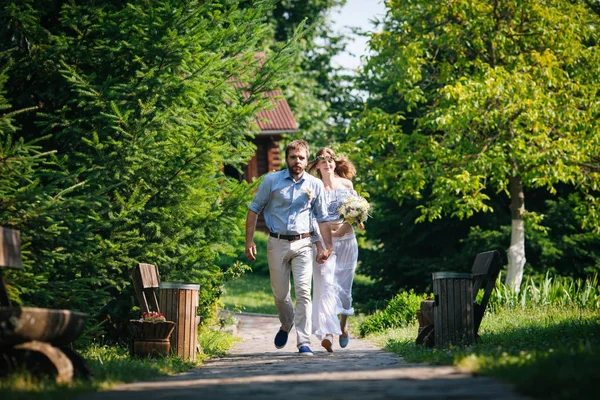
x,y
250,227
251,251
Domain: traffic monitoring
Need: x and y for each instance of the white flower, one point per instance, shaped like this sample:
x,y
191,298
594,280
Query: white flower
x,y
355,210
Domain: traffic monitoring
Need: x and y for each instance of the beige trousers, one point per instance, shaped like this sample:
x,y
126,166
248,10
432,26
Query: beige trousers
x,y
285,257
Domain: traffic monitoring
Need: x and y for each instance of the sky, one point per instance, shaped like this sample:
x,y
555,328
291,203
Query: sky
x,y
355,13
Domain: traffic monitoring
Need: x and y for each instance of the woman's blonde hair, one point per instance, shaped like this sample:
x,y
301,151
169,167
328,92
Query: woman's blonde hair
x,y
343,167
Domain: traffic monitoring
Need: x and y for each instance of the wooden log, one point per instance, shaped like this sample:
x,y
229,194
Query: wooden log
x,y
453,309
39,358
151,347
24,324
81,368
179,302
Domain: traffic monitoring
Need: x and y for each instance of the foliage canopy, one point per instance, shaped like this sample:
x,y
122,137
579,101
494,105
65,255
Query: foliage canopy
x,y
138,105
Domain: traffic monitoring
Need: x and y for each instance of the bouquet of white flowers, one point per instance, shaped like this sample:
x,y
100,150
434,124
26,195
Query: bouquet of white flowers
x,y
355,210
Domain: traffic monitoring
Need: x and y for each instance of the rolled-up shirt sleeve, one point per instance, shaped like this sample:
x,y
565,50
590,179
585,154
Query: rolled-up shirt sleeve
x,y
320,205
262,195
315,232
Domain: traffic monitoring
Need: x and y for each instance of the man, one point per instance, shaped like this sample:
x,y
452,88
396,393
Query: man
x,y
289,198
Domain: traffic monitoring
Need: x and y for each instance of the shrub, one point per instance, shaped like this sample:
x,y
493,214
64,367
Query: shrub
x,y
400,312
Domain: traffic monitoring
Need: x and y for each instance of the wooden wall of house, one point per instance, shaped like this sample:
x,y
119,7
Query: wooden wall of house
x,y
266,159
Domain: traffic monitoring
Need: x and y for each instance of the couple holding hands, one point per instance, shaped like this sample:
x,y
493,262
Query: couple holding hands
x,y
302,213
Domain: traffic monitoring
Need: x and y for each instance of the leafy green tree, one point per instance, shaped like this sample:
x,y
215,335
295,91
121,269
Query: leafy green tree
x,y
320,94
473,97
143,102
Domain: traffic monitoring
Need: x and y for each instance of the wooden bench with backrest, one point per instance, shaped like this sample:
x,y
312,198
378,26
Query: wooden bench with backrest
x,y
36,338
146,282
485,271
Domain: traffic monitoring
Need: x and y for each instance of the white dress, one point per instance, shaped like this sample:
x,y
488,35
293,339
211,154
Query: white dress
x,y
332,280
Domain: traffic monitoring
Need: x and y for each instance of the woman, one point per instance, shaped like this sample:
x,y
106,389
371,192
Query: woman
x,y
333,279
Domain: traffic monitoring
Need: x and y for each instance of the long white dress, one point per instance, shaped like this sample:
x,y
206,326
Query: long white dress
x,y
332,280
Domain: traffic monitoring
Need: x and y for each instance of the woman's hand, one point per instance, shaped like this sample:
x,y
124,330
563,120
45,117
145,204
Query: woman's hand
x,y
323,256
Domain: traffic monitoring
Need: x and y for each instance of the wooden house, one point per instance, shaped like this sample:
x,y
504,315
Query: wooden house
x,y
274,124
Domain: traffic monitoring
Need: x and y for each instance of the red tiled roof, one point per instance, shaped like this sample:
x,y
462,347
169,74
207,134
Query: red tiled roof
x,y
278,119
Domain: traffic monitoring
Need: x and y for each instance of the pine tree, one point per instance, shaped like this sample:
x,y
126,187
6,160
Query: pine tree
x,y
143,103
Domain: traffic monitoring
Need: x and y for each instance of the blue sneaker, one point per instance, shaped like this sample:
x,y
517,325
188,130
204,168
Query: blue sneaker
x,y
305,351
281,339
344,340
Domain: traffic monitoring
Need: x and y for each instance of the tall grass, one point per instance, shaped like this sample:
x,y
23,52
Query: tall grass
x,y
547,290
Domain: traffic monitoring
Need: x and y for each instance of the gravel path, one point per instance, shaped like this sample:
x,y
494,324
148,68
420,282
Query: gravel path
x,y
254,369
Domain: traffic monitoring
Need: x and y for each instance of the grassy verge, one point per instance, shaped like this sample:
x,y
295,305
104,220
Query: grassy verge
x,y
111,365
546,352
249,293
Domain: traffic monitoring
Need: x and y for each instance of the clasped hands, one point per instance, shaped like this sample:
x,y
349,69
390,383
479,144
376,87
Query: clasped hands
x,y
322,256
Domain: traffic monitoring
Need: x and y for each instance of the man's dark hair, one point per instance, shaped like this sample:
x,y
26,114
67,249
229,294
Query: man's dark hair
x,y
297,145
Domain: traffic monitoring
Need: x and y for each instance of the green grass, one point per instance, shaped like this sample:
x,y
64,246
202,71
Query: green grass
x,y
544,339
112,365
546,352
249,293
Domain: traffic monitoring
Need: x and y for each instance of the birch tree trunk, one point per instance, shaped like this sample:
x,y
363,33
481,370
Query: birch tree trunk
x,y
516,251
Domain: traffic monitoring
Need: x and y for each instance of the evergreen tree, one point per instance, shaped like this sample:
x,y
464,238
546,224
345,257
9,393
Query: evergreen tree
x,y
143,102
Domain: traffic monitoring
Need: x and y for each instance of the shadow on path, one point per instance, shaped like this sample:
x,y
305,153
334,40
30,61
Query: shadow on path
x,y
254,369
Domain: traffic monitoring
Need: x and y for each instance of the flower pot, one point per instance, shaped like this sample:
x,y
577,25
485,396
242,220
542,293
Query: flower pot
x,y
151,347
146,330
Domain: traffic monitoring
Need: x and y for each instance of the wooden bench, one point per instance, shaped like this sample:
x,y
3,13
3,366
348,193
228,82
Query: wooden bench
x,y
485,271
36,338
146,281
177,302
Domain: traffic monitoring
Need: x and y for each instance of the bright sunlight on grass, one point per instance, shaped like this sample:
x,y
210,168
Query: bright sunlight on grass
x,y
547,352
251,293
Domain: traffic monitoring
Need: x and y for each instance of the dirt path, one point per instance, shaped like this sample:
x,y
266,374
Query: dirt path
x,y
256,370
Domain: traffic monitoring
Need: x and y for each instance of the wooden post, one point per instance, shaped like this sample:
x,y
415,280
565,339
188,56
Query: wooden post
x,y
453,309
425,314
10,248
179,303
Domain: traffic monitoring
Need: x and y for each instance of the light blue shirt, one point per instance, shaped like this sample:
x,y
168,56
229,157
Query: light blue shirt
x,y
288,204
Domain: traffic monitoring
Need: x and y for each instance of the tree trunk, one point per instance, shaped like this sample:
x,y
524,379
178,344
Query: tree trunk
x,y
516,251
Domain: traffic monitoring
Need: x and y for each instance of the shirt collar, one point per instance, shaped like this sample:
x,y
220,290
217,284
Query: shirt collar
x,y
288,175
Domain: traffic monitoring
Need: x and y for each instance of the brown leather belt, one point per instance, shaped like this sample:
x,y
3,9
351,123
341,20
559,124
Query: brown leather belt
x,y
291,238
